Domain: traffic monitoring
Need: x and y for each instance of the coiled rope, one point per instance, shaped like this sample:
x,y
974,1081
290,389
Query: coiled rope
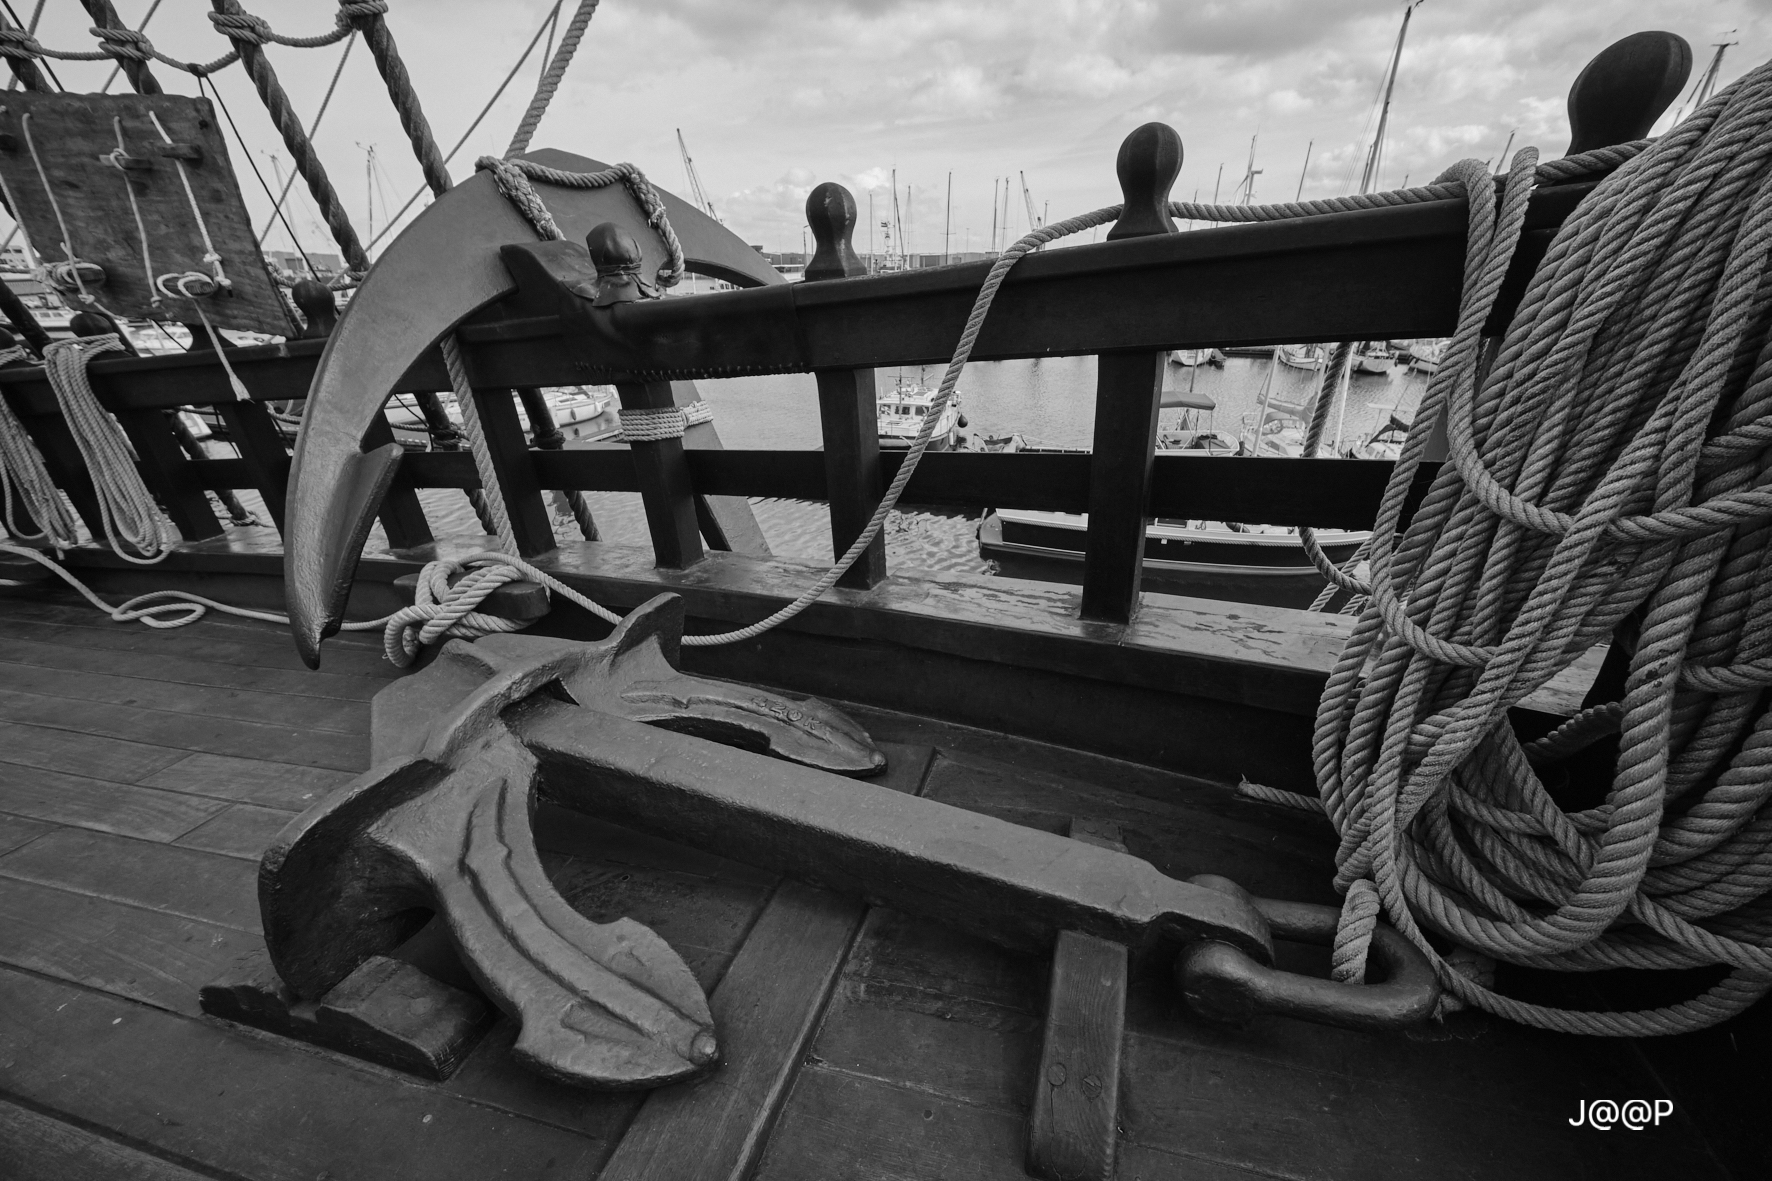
x,y
1610,462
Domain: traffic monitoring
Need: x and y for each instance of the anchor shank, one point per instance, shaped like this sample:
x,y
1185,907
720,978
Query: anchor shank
x,y
1012,885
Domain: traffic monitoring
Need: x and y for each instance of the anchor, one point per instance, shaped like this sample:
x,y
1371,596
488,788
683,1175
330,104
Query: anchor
x,y
470,746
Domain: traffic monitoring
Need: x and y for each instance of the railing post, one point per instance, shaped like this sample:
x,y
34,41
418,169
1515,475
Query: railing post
x,y
254,435
1128,392
727,522
663,473
847,412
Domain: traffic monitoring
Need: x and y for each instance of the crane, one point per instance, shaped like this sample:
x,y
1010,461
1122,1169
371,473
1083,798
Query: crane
x,y
696,192
1034,220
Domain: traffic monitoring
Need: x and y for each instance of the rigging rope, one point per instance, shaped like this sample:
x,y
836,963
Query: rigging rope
x,y
550,79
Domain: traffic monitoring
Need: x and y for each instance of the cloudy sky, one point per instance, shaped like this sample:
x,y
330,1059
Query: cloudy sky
x,y
774,97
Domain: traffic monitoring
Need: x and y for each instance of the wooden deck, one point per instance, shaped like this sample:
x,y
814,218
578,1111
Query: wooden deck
x,y
141,772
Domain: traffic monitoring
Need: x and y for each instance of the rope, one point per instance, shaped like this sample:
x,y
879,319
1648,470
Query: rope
x,y
133,526
338,71
645,425
494,499
22,472
514,176
550,79
1608,461
244,29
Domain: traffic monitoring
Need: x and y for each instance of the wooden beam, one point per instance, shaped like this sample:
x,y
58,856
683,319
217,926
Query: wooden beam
x,y
251,429
727,522
1128,388
402,517
1073,1129
1268,491
168,474
849,418
531,527
665,484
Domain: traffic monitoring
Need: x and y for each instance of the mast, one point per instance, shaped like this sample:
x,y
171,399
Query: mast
x,y
1250,172
947,221
1299,196
993,215
1370,176
1707,81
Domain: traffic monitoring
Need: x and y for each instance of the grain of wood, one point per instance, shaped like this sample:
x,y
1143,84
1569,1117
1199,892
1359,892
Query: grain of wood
x,y
107,807
35,1146
177,881
241,1105
239,830
250,781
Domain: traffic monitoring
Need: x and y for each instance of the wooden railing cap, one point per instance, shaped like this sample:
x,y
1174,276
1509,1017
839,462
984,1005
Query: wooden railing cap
x,y
1148,163
830,215
1625,88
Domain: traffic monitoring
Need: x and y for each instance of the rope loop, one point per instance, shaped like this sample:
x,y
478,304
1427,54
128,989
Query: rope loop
x,y
514,176
19,45
242,26
440,609
653,425
124,44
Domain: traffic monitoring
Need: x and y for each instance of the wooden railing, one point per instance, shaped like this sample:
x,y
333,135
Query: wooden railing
x,y
1374,274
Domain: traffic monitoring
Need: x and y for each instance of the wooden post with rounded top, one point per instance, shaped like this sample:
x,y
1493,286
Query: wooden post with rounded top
x,y
666,491
847,412
1128,388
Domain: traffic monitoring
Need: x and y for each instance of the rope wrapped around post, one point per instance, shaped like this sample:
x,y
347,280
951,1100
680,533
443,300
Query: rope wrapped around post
x,y
648,425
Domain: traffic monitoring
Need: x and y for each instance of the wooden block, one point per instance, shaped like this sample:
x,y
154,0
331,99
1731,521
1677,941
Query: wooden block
x,y
71,133
36,1146
1072,1133
514,600
386,1011
1074,1129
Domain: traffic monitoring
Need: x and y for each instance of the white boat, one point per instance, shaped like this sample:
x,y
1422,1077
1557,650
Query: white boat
x,y
901,410
1424,355
1374,357
1302,356
1193,357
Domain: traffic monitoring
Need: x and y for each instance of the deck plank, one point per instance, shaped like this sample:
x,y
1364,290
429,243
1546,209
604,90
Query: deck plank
x,y
239,830
250,781
201,642
249,1106
91,755
192,732
107,807
35,1147
156,663
128,951
188,883
181,698
16,831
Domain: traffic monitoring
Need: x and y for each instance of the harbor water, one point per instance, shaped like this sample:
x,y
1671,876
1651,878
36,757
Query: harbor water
x,y
1049,401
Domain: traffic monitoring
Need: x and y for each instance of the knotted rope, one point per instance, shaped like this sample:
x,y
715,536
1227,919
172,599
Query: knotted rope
x,y
1612,461
513,177
440,610
132,45
647,425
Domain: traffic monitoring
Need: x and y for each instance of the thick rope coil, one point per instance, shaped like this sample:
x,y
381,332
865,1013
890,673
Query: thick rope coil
x,y
550,79
1607,460
644,425
23,473
1353,933
440,610
134,528
514,176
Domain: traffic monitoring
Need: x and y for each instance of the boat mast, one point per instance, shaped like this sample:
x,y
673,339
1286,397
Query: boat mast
x,y
1299,196
1250,172
1707,81
947,221
993,215
1373,157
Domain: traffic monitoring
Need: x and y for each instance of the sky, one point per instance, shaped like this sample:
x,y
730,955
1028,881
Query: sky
x,y
774,96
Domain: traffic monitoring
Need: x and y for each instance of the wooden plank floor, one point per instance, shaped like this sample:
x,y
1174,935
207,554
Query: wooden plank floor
x,y
141,773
